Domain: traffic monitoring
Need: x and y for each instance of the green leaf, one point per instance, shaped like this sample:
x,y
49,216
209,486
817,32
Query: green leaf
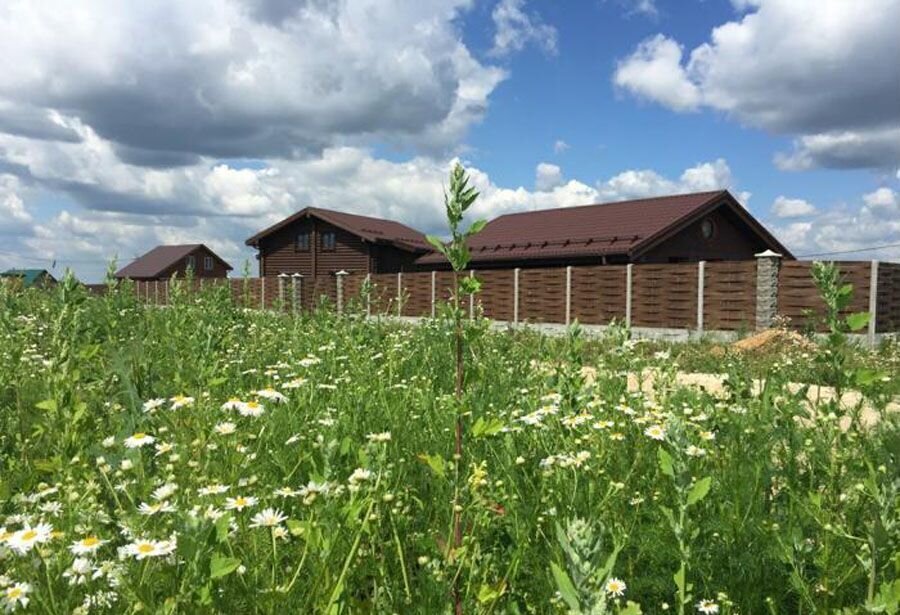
x,y
47,404
699,491
488,593
483,428
858,321
222,524
435,462
296,528
631,608
665,462
565,587
476,227
220,566
678,577
437,244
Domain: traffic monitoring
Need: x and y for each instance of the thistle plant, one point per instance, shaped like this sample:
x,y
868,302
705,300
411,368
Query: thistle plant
x,y
457,200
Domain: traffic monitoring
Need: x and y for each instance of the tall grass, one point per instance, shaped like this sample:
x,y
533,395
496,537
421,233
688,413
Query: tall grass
x,y
580,495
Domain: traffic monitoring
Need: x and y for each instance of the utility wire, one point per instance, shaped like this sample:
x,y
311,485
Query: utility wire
x,y
890,245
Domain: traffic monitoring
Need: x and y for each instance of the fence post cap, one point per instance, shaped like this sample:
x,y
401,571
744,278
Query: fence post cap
x,y
768,254
296,275
282,275
341,272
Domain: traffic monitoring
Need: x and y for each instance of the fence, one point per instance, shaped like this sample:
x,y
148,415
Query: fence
x,y
698,297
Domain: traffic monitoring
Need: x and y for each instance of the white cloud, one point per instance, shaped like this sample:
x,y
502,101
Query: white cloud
x,y
871,222
560,146
14,218
167,81
812,68
654,71
547,176
784,207
515,29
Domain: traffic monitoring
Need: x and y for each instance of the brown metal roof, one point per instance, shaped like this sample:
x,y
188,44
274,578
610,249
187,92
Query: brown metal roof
x,y
371,229
155,262
624,227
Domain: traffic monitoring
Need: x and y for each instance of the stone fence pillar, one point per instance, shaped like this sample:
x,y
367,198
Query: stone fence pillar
x,y
339,290
767,265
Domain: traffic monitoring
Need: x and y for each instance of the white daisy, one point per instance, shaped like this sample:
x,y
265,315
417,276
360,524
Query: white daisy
x,y
232,404
139,439
707,607
152,404
271,394
384,436
268,517
655,432
251,408
181,401
615,587
86,545
26,538
143,548
225,429
155,508
16,595
215,489
240,502
165,491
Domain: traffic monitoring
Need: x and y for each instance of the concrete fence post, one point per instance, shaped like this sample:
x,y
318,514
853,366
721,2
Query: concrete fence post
x,y
873,303
433,292
339,289
281,278
156,292
369,290
399,293
262,293
516,295
701,284
471,298
295,284
568,295
628,277
767,265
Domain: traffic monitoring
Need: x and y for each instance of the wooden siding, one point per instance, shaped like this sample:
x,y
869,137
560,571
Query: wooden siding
x,y
732,240
279,254
181,267
664,295
729,296
887,310
798,297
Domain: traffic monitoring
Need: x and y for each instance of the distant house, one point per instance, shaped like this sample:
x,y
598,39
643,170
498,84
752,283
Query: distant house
x,y
40,278
163,262
709,226
317,241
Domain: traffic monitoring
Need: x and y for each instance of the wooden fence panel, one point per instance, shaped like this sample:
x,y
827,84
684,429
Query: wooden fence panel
x,y
887,307
729,296
417,294
598,294
664,295
798,297
542,295
496,297
384,293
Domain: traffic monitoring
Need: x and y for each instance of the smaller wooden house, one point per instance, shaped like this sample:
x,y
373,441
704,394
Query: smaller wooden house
x,y
163,262
28,278
315,242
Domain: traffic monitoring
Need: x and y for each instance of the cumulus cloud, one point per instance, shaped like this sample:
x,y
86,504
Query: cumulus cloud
x,y
515,29
871,221
560,146
14,218
167,82
547,176
784,207
812,68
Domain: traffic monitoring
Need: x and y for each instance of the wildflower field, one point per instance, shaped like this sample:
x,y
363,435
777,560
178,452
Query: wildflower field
x,y
204,458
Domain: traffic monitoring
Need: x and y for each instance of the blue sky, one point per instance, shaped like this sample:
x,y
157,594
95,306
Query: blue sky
x,y
170,122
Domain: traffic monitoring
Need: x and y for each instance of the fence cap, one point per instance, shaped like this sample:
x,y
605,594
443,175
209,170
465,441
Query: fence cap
x,y
341,272
296,275
768,254
282,275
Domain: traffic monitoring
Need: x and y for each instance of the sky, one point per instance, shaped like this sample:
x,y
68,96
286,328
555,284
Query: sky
x,y
128,125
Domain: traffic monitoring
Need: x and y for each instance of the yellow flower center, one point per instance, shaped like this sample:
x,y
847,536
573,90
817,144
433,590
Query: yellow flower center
x,y
240,501
252,404
145,547
14,592
29,535
90,541
139,436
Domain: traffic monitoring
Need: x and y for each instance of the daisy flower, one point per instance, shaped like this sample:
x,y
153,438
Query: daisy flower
x,y
707,607
215,489
26,538
163,447
152,404
271,394
708,435
139,439
225,429
655,432
694,451
296,383
143,548
269,517
155,508
285,492
379,437
165,492
86,545
232,404
16,595
240,502
251,408
181,401
615,587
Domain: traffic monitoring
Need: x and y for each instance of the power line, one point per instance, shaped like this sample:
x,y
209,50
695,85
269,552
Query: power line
x,y
890,245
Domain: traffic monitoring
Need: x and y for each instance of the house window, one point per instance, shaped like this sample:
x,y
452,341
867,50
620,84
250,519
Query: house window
x,y
208,263
328,241
301,244
707,229
191,262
